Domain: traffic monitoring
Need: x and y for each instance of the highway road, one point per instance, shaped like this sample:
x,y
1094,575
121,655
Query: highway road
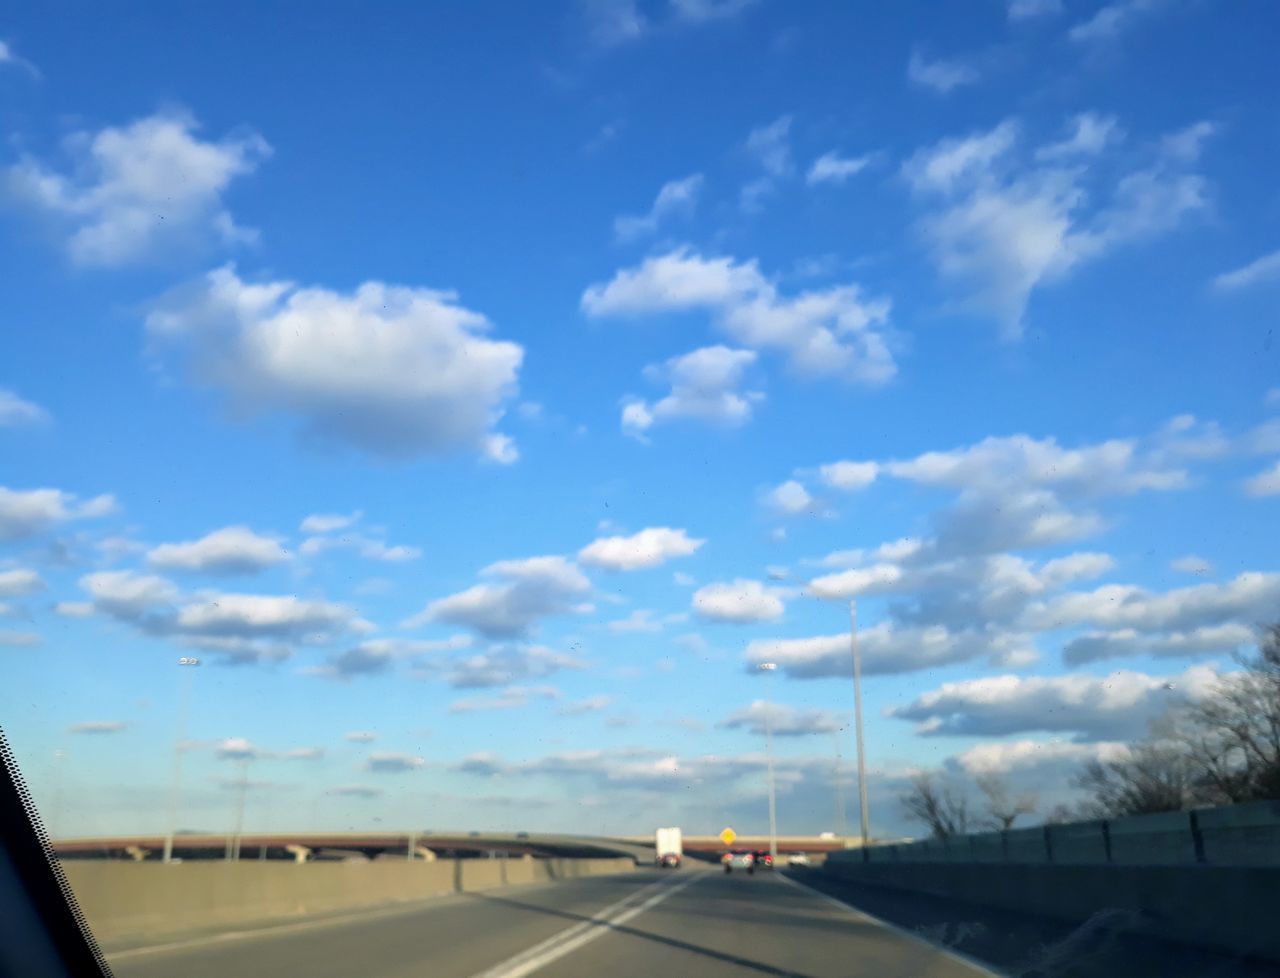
x,y
696,921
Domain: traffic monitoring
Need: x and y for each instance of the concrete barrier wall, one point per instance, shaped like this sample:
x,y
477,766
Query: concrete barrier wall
x,y
1231,908
126,900
1233,835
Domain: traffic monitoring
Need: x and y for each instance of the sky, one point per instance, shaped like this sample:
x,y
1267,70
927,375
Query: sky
x,y
475,397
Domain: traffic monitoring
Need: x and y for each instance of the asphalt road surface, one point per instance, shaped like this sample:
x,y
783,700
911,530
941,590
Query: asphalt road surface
x,y
696,921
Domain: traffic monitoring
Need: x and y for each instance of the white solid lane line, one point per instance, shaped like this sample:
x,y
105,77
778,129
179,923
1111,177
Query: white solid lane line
x,y
572,938
981,967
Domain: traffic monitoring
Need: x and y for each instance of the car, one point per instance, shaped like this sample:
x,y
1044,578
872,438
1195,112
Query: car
x,y
522,835
763,859
798,859
739,860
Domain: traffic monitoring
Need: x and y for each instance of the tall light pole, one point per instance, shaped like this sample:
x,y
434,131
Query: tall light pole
x,y
857,717
771,667
842,821
188,664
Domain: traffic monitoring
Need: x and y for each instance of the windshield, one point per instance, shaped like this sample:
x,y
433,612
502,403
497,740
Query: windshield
x,y
675,469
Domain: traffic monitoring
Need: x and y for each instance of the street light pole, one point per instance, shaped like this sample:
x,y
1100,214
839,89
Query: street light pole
x,y
768,734
857,711
175,785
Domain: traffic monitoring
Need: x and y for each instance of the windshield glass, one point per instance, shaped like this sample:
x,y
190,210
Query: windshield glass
x,y
649,461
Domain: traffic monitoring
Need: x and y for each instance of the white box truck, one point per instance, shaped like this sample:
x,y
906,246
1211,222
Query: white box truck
x,y
668,848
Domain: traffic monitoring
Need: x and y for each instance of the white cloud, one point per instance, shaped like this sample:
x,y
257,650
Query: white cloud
x,y
941,75
739,601
1003,229
1250,597
613,22
1004,757
19,581
791,497
10,58
531,589
17,640
1029,9
701,11
98,727
238,749
391,370
833,168
1118,706
329,522
303,754
377,655
355,791
231,550
849,476
136,191
360,737
705,386
1127,642
879,578
590,704
675,198
770,147
651,547
1265,483
884,649
1263,269
24,513
389,763
504,665
371,548
640,620
1192,564
243,627
1090,135
785,721
1112,20
507,699
73,609
15,412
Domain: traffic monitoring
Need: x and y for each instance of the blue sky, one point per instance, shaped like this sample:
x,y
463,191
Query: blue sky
x,y
482,393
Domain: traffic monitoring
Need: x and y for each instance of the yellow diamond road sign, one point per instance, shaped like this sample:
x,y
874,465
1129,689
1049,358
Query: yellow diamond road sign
x,y
727,836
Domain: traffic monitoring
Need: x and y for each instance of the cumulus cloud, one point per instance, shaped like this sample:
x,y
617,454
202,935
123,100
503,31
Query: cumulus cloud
x,y
590,704
1029,9
507,699
705,386
355,791
1263,269
138,191
1090,135
833,168
770,146
651,547
16,412
368,547
613,22
18,640
849,476
238,749
25,513
701,11
329,522
20,581
231,550
785,721
1112,20
378,655
835,331
1265,483
1115,707
503,665
98,727
1191,564
1003,226
1061,758
1128,642
739,601
393,371
791,497
942,75
640,620
243,627
360,736
389,763
529,590
675,198
303,754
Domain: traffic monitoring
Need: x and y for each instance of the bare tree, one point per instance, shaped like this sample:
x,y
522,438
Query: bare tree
x,y
1155,776
1233,734
1062,814
1002,810
938,804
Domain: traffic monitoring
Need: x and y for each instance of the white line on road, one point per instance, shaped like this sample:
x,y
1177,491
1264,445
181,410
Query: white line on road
x,y
981,967
572,938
